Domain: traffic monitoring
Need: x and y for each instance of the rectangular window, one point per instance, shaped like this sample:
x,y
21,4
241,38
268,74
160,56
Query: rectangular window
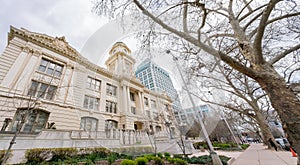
x,y
42,90
50,68
132,96
93,84
153,104
111,107
111,90
133,110
146,101
91,103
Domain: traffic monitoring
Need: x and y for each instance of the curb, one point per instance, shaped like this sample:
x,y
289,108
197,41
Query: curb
x,y
230,161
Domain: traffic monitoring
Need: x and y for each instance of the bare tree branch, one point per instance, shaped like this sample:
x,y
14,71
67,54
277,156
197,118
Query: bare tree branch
x,y
184,19
257,44
283,54
247,5
248,14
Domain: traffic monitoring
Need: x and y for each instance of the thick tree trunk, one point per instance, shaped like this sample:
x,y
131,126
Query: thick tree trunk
x,y
285,102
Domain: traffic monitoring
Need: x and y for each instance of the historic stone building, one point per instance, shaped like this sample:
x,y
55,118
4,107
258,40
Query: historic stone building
x,y
44,80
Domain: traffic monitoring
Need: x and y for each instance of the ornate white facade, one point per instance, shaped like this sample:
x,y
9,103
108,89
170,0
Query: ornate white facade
x,y
49,78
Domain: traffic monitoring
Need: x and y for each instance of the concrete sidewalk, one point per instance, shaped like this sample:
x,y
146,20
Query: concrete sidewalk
x,y
257,154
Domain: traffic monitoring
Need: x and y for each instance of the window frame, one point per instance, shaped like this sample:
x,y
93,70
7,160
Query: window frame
x,y
90,99
111,107
92,83
34,123
153,104
133,110
42,90
146,101
111,90
84,123
50,67
131,95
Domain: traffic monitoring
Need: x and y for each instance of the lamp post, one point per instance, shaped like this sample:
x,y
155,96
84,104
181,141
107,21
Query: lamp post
x,y
216,159
232,134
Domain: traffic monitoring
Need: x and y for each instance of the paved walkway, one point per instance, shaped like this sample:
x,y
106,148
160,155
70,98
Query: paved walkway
x,y
257,154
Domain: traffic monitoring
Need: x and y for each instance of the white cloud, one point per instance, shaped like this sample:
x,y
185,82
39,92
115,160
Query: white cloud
x,y
70,18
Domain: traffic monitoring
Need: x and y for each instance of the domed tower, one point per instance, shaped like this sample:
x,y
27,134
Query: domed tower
x,y
120,62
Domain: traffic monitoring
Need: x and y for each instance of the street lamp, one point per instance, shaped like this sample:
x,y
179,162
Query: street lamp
x,y
216,159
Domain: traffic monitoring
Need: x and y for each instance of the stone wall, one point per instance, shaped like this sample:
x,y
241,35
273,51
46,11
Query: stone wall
x,y
112,139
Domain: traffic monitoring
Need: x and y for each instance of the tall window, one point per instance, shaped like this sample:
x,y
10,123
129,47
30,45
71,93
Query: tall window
x,y
111,90
36,120
93,83
50,68
88,124
133,110
132,96
146,101
91,103
153,104
111,107
42,90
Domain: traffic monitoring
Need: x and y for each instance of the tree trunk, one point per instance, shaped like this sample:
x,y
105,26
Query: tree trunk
x,y
285,102
265,129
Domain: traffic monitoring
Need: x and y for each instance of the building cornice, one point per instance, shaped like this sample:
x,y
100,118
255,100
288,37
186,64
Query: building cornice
x,y
57,45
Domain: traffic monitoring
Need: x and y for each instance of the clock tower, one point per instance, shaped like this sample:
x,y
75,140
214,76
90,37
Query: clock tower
x,y
120,62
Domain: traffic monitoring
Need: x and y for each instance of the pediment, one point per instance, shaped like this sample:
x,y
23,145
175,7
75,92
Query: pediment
x,y
55,43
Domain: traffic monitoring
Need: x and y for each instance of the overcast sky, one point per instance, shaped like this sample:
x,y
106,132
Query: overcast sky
x,y
70,18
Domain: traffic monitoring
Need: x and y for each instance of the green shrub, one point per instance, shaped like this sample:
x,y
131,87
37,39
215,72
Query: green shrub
x,y
141,161
178,161
167,155
158,160
244,146
200,145
205,159
222,145
63,153
127,162
112,157
66,155
224,159
149,157
178,156
68,161
160,155
38,155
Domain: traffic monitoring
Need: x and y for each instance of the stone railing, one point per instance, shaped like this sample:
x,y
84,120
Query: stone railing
x,y
124,136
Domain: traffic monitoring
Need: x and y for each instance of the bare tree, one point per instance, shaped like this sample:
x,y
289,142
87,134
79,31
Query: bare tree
x,y
240,94
251,37
27,106
24,115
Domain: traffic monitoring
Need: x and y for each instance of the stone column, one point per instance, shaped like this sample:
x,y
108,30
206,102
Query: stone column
x,y
128,100
141,100
124,106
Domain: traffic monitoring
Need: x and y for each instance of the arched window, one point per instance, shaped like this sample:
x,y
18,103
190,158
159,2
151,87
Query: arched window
x,y
158,128
88,124
111,124
35,120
